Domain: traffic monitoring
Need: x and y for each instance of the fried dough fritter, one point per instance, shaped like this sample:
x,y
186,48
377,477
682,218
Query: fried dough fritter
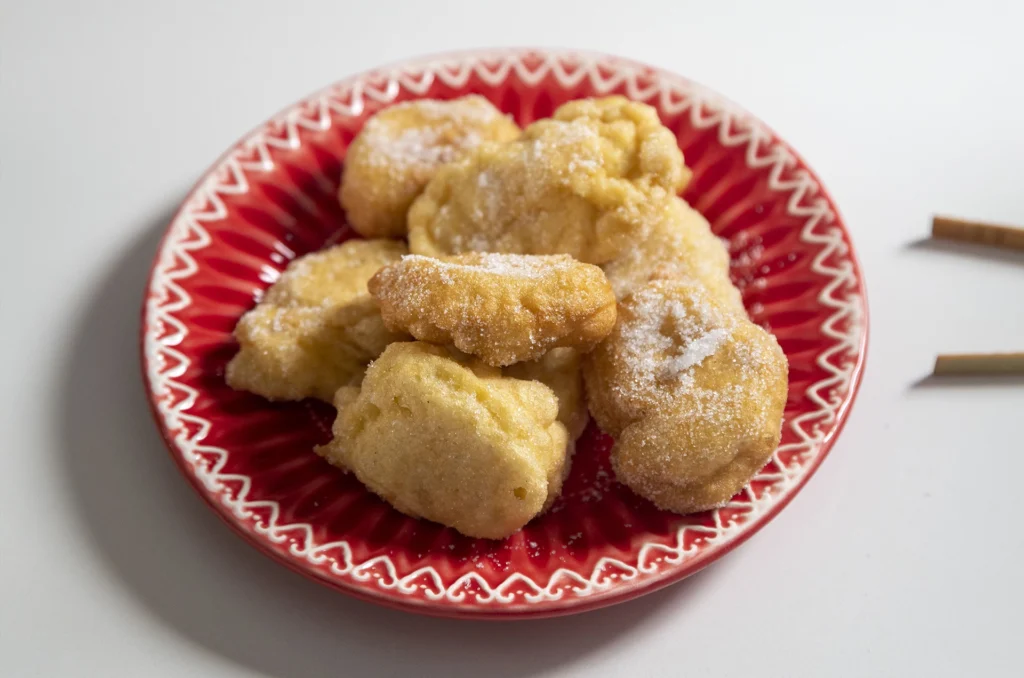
x,y
446,437
503,308
317,327
679,244
399,150
476,429
692,392
570,185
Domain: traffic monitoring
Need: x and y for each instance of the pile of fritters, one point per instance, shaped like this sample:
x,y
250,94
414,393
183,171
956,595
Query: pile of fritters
x,y
538,260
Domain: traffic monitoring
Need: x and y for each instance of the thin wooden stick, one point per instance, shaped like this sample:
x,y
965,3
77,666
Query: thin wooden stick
x,y
993,235
980,363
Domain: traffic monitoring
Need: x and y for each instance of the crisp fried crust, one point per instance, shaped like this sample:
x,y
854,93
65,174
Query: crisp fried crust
x,y
503,308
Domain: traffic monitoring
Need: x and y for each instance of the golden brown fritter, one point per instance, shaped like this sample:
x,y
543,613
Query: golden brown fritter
x,y
679,244
503,308
317,327
693,393
570,185
399,150
445,437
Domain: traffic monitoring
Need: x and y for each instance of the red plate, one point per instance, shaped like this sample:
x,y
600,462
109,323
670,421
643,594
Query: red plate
x,y
272,198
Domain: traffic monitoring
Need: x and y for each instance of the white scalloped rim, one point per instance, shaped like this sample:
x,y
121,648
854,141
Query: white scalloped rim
x,y
163,331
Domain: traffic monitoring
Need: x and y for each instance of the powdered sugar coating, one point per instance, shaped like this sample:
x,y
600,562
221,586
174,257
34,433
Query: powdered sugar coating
x,y
658,343
503,308
417,146
491,263
574,184
400,148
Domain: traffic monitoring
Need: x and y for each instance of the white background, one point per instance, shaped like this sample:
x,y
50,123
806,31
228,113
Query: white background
x,y
901,557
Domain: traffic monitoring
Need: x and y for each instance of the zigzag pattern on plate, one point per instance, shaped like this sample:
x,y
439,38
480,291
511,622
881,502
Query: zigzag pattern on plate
x,y
164,331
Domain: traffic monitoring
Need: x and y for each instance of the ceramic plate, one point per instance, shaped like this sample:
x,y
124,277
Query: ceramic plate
x,y
272,198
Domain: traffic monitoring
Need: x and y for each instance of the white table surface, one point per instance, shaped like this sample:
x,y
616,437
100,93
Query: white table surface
x,y
901,557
